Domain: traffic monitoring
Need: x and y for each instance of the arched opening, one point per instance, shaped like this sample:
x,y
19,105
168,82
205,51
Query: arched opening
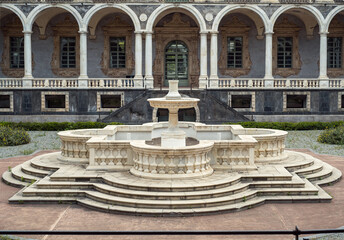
x,y
176,52
295,46
11,44
176,63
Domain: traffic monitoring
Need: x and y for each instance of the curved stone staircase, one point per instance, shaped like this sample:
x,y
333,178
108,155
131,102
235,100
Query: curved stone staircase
x,y
296,179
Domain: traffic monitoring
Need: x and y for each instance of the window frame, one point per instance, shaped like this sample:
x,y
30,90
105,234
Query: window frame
x,y
340,102
235,52
99,101
44,108
285,28
68,52
117,28
11,108
252,108
336,30
234,27
66,28
117,52
305,109
19,51
285,52
340,52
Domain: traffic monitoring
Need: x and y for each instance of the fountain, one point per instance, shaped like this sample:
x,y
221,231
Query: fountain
x,y
172,167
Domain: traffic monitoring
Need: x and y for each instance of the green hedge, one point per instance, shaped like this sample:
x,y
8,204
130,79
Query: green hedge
x,y
332,136
288,126
13,136
56,126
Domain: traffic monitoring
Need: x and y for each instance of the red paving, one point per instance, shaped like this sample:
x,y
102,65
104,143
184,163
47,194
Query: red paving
x,y
280,216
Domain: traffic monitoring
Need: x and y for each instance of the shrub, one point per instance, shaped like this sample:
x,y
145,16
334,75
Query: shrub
x,y
288,126
56,126
13,137
332,136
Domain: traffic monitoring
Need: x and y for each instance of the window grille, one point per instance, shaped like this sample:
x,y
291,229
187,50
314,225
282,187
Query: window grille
x,y
17,52
334,52
234,52
117,52
284,52
68,52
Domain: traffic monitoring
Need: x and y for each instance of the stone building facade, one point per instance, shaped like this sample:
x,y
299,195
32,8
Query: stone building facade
x,y
270,60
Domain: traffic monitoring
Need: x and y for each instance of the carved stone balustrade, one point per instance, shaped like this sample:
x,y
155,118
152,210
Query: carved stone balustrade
x,y
165,163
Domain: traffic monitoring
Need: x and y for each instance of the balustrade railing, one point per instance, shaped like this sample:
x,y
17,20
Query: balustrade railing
x,y
11,83
54,83
111,83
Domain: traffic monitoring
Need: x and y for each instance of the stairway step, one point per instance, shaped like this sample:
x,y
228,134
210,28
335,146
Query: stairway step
x,y
143,203
10,180
47,162
21,176
309,170
28,169
173,195
335,177
34,191
323,174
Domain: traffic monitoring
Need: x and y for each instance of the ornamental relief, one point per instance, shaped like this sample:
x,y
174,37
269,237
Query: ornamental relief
x,y
234,28
67,28
336,29
14,29
176,29
118,28
285,28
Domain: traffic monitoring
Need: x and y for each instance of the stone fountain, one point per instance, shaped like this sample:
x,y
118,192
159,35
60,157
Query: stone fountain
x,y
172,167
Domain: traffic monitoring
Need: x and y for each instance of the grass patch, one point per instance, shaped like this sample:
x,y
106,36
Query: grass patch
x,y
13,136
332,136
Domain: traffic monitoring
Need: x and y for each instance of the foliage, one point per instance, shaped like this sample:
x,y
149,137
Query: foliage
x,y
332,136
13,136
289,126
56,126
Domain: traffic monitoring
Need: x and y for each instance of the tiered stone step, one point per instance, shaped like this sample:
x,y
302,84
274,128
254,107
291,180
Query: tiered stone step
x,y
121,192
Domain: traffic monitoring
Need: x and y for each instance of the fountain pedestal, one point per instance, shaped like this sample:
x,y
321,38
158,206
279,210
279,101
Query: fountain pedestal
x,y
173,101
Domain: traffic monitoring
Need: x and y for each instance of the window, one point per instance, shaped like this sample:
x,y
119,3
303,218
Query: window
x,y
341,101
234,51
16,52
296,101
284,52
55,101
117,52
334,52
109,101
234,58
6,102
242,101
68,53
118,57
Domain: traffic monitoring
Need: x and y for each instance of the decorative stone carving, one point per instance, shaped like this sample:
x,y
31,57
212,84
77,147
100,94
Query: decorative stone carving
x,y
118,28
285,28
336,29
176,29
234,28
13,29
67,28
143,17
209,17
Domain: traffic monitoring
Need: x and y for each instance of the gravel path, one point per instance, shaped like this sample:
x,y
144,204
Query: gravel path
x,y
47,140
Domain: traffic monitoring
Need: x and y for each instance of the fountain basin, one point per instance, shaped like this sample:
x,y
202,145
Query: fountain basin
x,y
165,163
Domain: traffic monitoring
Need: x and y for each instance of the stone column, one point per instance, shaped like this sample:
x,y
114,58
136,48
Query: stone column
x,y
203,78
83,77
149,61
269,79
27,79
138,59
213,60
323,60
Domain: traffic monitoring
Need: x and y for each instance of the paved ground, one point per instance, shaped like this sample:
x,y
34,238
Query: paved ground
x,y
265,217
